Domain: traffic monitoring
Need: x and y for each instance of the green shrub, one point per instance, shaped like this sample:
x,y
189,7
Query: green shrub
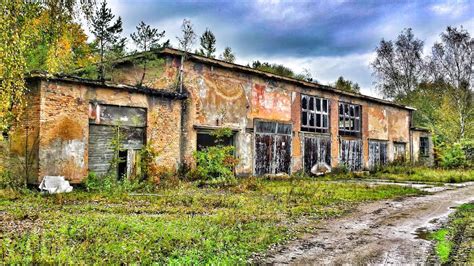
x,y
109,183
453,156
341,171
95,182
13,168
214,163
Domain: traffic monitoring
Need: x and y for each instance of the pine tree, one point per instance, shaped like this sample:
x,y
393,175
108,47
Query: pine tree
x,y
208,44
147,38
227,55
106,32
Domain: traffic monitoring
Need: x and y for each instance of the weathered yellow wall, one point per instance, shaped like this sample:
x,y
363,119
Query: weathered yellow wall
x,y
63,146
217,97
429,160
24,135
225,97
391,124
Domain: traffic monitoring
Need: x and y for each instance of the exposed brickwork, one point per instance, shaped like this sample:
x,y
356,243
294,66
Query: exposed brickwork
x,y
63,119
217,97
24,136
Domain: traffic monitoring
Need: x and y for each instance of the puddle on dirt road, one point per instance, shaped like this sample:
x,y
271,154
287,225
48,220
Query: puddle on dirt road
x,y
423,233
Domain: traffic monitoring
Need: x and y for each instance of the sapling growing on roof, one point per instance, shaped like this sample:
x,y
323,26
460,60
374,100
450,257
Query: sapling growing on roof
x,y
147,38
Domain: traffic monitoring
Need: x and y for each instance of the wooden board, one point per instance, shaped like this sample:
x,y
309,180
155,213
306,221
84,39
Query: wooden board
x,y
351,154
316,149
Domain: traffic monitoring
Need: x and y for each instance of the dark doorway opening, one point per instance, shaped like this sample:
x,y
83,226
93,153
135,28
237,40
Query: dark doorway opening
x,y
206,140
122,165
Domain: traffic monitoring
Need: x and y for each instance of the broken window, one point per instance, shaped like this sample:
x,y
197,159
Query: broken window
x,y
349,119
350,154
272,147
314,114
424,147
377,153
317,149
104,121
399,151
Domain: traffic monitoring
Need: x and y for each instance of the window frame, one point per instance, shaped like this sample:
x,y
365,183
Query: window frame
x,y
277,125
322,114
424,150
355,119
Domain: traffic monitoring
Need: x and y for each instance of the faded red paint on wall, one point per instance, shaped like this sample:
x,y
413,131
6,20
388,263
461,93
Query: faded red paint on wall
x,y
218,97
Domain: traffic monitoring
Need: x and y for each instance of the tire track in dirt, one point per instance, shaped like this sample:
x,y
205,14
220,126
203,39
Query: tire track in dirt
x,y
382,232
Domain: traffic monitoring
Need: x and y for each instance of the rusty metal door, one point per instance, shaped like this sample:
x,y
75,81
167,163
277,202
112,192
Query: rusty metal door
x,y
377,153
399,151
282,154
351,154
317,149
272,148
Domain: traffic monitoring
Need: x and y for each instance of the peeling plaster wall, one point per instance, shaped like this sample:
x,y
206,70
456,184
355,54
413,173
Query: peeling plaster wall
x,y
225,97
391,124
64,126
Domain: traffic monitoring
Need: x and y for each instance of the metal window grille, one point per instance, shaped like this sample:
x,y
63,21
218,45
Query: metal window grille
x,y
349,119
314,114
424,146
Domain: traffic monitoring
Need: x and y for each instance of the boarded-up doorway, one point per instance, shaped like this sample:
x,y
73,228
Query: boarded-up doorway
x,y
272,148
377,153
109,123
351,154
317,149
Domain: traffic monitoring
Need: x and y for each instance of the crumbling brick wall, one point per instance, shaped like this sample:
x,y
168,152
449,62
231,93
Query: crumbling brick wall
x,y
62,113
24,135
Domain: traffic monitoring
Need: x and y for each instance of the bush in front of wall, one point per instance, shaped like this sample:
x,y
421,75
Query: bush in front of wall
x,y
214,163
109,183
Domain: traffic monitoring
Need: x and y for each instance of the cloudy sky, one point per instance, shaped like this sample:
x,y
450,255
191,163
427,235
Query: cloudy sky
x,y
329,38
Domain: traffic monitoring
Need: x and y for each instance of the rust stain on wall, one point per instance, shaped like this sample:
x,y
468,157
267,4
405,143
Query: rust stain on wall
x,y
218,96
271,103
64,129
377,123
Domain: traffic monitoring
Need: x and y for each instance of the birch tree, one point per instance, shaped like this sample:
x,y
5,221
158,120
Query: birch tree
x,y
399,65
452,62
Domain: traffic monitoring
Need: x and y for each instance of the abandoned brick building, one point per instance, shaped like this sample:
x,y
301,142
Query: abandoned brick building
x,y
279,124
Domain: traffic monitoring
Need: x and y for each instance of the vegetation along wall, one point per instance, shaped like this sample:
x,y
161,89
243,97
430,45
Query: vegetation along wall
x,y
279,125
78,120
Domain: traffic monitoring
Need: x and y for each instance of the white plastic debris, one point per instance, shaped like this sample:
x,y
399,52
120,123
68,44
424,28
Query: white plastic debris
x,y
55,184
320,168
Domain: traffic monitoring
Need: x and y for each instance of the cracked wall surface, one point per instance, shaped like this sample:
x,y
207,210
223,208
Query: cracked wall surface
x,y
217,97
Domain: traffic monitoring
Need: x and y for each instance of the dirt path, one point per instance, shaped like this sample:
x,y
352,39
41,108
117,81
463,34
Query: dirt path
x,y
383,232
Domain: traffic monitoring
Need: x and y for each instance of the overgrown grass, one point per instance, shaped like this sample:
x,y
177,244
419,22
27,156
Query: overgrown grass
x,y
181,225
425,174
401,173
443,245
454,244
